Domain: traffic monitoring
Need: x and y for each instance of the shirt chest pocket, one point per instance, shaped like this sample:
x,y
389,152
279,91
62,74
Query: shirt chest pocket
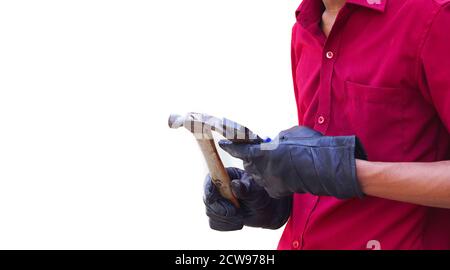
x,y
376,116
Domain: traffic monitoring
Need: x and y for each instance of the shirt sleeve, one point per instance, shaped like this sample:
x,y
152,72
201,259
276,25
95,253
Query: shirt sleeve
x,y
434,76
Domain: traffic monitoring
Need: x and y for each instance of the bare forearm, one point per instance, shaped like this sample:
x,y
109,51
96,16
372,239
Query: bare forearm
x,y
420,183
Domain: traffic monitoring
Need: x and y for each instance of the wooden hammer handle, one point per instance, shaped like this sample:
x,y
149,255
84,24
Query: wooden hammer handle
x,y
218,173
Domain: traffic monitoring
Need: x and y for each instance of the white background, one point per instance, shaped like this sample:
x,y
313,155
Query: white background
x,y
86,158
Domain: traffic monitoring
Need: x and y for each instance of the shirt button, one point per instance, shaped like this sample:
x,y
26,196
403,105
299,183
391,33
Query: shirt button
x,y
295,244
321,120
330,54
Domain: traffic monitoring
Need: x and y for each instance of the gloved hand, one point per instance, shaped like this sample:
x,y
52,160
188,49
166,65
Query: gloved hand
x,y
303,161
257,208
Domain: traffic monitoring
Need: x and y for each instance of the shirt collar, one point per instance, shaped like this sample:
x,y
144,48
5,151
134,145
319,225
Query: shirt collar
x,y
372,4
310,9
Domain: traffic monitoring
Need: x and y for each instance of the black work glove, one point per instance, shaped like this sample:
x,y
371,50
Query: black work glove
x,y
303,161
257,208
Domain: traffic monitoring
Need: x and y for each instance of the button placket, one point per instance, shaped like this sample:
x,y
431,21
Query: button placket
x,y
329,57
325,88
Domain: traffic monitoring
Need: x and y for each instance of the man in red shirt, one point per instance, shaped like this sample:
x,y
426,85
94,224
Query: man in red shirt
x,y
378,70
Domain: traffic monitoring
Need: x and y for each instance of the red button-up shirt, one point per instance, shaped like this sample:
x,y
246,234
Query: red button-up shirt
x,y
382,74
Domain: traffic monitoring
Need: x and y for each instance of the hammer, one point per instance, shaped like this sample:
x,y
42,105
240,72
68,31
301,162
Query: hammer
x,y
201,125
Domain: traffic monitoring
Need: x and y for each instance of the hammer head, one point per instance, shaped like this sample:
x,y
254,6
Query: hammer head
x,y
201,125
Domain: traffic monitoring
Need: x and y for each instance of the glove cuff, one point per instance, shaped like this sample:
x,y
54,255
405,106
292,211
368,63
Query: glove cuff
x,y
356,186
340,177
358,153
283,212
